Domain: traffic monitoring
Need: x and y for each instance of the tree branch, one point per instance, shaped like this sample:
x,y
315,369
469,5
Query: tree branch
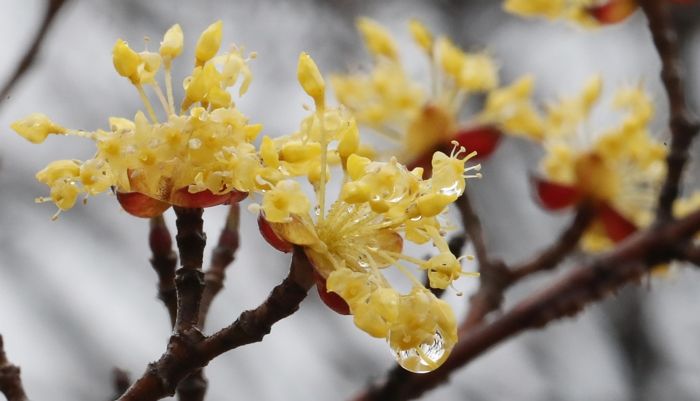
x,y
120,382
29,56
562,247
190,350
189,279
194,387
599,278
164,261
684,125
10,379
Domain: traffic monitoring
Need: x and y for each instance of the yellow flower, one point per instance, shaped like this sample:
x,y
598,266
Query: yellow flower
x,y
380,205
619,169
423,120
586,13
198,157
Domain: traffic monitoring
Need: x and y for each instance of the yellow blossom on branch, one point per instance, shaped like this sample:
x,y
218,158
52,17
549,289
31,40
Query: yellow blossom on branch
x,y
422,119
589,13
619,170
200,154
352,237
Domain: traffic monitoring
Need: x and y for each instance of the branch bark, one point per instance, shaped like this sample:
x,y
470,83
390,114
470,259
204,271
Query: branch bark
x,y
684,125
164,261
10,378
194,387
27,60
189,279
189,350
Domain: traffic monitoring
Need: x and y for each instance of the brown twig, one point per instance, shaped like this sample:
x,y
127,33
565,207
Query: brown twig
x,y
627,263
684,125
567,242
189,279
120,382
222,256
29,56
194,387
164,261
189,350
10,378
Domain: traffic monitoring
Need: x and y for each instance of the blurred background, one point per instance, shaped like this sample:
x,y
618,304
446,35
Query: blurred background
x,y
77,296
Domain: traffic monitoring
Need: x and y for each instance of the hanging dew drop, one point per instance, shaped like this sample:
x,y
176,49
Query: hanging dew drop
x,y
426,357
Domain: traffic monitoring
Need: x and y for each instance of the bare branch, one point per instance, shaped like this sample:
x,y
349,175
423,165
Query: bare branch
x,y
190,350
164,261
29,56
194,387
567,242
10,379
120,382
189,279
684,125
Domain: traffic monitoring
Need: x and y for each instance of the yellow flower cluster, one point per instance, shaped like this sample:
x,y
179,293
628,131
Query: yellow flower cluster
x,y
201,154
389,102
621,167
379,205
588,13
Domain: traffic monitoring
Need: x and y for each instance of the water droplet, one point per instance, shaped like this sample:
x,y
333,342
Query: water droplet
x,y
195,143
426,357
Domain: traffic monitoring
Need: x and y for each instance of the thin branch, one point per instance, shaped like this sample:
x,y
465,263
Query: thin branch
x,y
189,279
190,350
194,387
120,382
164,261
29,56
684,125
599,278
472,226
10,378
562,247
222,257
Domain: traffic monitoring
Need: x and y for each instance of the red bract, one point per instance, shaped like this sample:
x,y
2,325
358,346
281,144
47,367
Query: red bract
x,y
483,139
616,225
555,196
140,205
271,237
613,11
331,299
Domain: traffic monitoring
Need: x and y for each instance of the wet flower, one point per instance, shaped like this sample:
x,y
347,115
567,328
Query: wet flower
x,y
424,120
351,238
618,170
589,13
201,153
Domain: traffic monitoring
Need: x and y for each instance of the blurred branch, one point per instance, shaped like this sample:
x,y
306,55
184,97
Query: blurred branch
x,y
684,125
566,297
562,247
25,63
164,262
10,379
189,350
120,382
194,387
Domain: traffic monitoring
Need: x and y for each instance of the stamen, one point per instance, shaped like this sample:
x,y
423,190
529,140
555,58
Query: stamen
x,y
169,88
161,98
324,162
147,103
